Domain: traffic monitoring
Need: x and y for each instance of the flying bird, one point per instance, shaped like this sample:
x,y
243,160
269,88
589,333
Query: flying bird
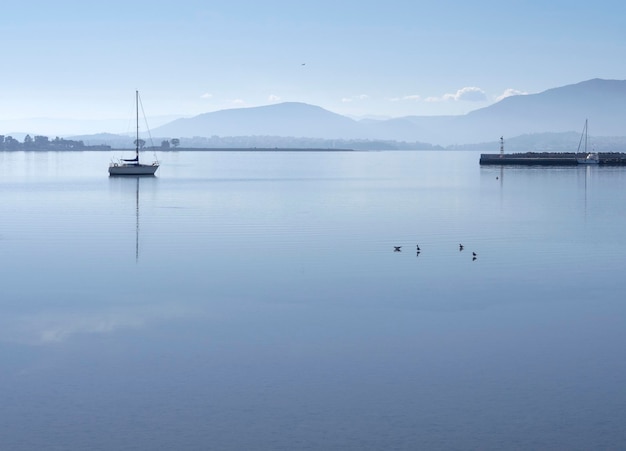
x,y
397,248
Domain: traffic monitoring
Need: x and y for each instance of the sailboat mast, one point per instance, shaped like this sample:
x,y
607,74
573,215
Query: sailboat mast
x,y
137,138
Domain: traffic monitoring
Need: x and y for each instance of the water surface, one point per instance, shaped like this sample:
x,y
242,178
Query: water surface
x,y
244,300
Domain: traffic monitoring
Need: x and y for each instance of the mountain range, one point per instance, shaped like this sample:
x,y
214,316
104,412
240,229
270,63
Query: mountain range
x,y
561,110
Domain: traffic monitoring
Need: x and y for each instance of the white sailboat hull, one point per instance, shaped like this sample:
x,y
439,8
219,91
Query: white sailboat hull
x,y
591,158
133,169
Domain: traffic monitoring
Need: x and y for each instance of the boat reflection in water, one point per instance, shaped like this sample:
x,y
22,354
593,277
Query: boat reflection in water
x,y
129,188
137,220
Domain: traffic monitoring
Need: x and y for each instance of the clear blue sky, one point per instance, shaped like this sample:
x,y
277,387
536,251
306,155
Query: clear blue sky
x,y
83,60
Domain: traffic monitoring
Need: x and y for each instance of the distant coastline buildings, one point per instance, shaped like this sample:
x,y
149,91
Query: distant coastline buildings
x,y
44,143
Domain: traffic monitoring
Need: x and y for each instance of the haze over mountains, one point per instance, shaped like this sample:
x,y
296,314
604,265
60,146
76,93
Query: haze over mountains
x,y
564,109
557,110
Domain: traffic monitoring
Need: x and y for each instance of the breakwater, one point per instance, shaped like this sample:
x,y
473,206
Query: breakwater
x,y
549,159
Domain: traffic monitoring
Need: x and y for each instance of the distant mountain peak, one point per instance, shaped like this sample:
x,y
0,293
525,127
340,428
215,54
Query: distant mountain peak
x,y
281,119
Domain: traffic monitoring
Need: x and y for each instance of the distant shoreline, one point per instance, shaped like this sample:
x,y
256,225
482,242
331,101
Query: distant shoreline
x,y
243,149
188,149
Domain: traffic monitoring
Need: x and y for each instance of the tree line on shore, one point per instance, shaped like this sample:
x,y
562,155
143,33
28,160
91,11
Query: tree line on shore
x,y
44,143
40,142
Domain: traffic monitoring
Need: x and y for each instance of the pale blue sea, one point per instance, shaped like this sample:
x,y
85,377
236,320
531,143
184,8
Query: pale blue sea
x,y
254,301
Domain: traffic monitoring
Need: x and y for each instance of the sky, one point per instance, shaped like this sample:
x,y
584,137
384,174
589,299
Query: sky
x,y
83,60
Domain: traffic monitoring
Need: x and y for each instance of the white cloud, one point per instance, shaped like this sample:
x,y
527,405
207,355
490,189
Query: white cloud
x,y
206,95
273,98
510,92
468,94
238,102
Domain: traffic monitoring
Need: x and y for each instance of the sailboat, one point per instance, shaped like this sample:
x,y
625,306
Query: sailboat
x,y
132,166
587,157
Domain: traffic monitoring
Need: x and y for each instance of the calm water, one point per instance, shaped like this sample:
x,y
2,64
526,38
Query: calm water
x,y
243,301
